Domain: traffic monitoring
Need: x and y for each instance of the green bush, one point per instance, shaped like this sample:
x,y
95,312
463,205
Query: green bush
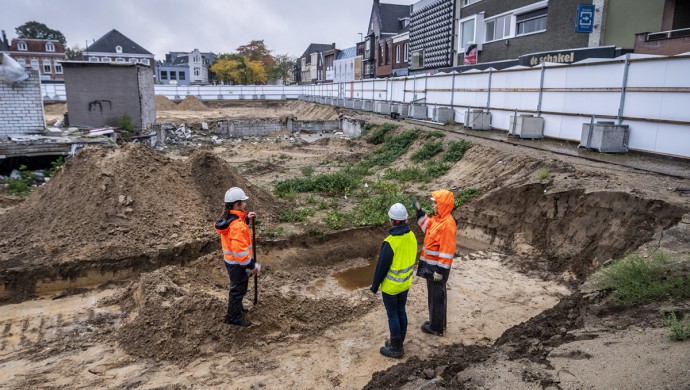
x,y
680,330
22,185
275,233
465,195
55,166
308,171
427,151
331,183
315,231
434,134
456,150
436,169
374,210
543,173
636,280
394,147
295,215
404,175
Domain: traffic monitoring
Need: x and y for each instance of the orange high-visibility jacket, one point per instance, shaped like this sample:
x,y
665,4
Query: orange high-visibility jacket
x,y
439,233
236,240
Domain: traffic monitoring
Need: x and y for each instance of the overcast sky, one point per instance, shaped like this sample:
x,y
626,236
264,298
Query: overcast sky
x,y
220,26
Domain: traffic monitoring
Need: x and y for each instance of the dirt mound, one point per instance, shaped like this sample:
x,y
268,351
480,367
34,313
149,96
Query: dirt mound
x,y
163,103
169,317
113,204
309,111
191,103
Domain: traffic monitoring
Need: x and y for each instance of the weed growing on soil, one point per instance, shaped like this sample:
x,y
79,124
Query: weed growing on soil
x,y
308,170
436,169
680,330
331,183
636,280
434,134
378,134
404,175
295,215
465,195
55,166
22,185
315,231
427,151
542,173
394,147
374,210
456,150
335,219
280,231
125,123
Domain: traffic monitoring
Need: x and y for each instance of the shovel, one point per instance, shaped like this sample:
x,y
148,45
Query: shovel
x,y
256,282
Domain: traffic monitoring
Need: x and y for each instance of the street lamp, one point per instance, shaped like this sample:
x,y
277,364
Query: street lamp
x,y
361,37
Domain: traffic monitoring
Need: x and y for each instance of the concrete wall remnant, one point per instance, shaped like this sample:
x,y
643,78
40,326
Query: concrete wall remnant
x,y
101,94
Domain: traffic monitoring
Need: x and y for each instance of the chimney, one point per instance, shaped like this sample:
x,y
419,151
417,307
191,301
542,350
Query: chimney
x,y
333,45
4,38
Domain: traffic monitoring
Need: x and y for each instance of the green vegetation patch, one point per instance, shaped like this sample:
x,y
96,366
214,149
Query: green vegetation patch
x,y
295,215
377,134
636,280
680,329
22,185
427,151
456,150
394,147
465,195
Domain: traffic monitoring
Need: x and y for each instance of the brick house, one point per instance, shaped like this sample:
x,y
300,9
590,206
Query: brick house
x,y
401,53
674,37
312,63
4,44
386,21
432,34
116,47
43,55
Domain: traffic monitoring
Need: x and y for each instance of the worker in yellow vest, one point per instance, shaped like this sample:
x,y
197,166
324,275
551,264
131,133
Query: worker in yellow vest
x,y
394,276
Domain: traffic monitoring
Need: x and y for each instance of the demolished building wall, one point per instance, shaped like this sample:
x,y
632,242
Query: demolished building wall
x,y
21,106
102,94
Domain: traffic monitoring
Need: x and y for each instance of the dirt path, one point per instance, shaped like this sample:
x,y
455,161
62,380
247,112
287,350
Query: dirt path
x,y
68,342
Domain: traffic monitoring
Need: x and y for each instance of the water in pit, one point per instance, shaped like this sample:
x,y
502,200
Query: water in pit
x,y
362,276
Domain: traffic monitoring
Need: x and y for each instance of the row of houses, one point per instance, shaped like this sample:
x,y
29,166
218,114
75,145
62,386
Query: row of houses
x,y
46,57
432,36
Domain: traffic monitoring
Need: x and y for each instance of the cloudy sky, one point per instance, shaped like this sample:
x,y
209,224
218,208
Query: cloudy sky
x,y
160,26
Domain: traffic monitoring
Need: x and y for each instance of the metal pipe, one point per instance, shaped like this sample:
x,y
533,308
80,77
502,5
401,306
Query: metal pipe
x,y
488,92
541,89
452,93
625,84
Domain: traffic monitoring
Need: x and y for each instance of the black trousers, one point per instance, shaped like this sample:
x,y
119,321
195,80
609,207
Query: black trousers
x,y
437,305
239,281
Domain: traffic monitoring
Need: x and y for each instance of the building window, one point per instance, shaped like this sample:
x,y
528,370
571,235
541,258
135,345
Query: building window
x,y
93,59
467,29
397,54
50,46
22,46
173,75
417,60
145,61
468,2
105,59
34,64
58,68
182,76
498,28
47,68
196,71
132,60
381,55
118,49
407,52
119,60
164,74
532,22
21,62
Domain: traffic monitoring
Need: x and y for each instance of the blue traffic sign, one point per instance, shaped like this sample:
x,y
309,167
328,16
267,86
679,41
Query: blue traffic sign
x,y
585,18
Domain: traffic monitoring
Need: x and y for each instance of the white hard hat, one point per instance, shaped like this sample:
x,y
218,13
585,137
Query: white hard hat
x,y
234,194
398,212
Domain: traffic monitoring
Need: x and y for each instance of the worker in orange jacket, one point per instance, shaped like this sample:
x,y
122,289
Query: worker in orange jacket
x,y
238,252
437,256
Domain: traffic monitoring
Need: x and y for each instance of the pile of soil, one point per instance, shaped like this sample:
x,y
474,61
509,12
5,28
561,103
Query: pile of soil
x,y
167,316
309,111
163,103
191,103
114,204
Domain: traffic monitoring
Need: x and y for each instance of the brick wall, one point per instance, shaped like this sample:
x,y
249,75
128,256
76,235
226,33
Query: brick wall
x,y
21,106
666,47
247,128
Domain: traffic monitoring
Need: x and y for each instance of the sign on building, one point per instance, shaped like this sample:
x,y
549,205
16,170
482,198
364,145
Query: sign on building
x,y
584,23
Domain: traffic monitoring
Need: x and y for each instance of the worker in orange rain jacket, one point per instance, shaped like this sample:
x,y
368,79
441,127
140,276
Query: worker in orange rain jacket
x,y
437,255
236,239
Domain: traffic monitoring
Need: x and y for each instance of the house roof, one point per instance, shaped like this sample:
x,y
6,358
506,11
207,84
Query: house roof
x,y
108,42
347,53
3,47
389,16
317,47
36,45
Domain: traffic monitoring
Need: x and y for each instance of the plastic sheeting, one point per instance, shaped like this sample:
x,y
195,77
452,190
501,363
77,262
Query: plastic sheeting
x,y
10,70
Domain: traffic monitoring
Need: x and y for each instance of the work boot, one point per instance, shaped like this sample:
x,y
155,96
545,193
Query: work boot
x,y
402,343
394,351
242,322
426,328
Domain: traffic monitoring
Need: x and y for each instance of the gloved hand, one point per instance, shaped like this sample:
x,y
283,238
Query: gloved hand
x,y
255,271
437,277
415,203
251,215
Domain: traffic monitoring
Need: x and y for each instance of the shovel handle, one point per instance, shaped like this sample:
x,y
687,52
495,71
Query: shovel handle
x,y
256,284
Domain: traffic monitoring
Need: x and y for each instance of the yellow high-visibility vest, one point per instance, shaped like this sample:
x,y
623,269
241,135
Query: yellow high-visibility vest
x,y
399,277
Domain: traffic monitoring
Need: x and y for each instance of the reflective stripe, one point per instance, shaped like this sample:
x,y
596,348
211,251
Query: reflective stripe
x,y
445,256
239,262
433,253
228,252
399,280
242,254
426,224
442,265
424,259
401,271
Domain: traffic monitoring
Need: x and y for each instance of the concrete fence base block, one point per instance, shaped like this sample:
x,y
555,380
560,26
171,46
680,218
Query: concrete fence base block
x,y
383,108
368,105
357,104
443,115
417,111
